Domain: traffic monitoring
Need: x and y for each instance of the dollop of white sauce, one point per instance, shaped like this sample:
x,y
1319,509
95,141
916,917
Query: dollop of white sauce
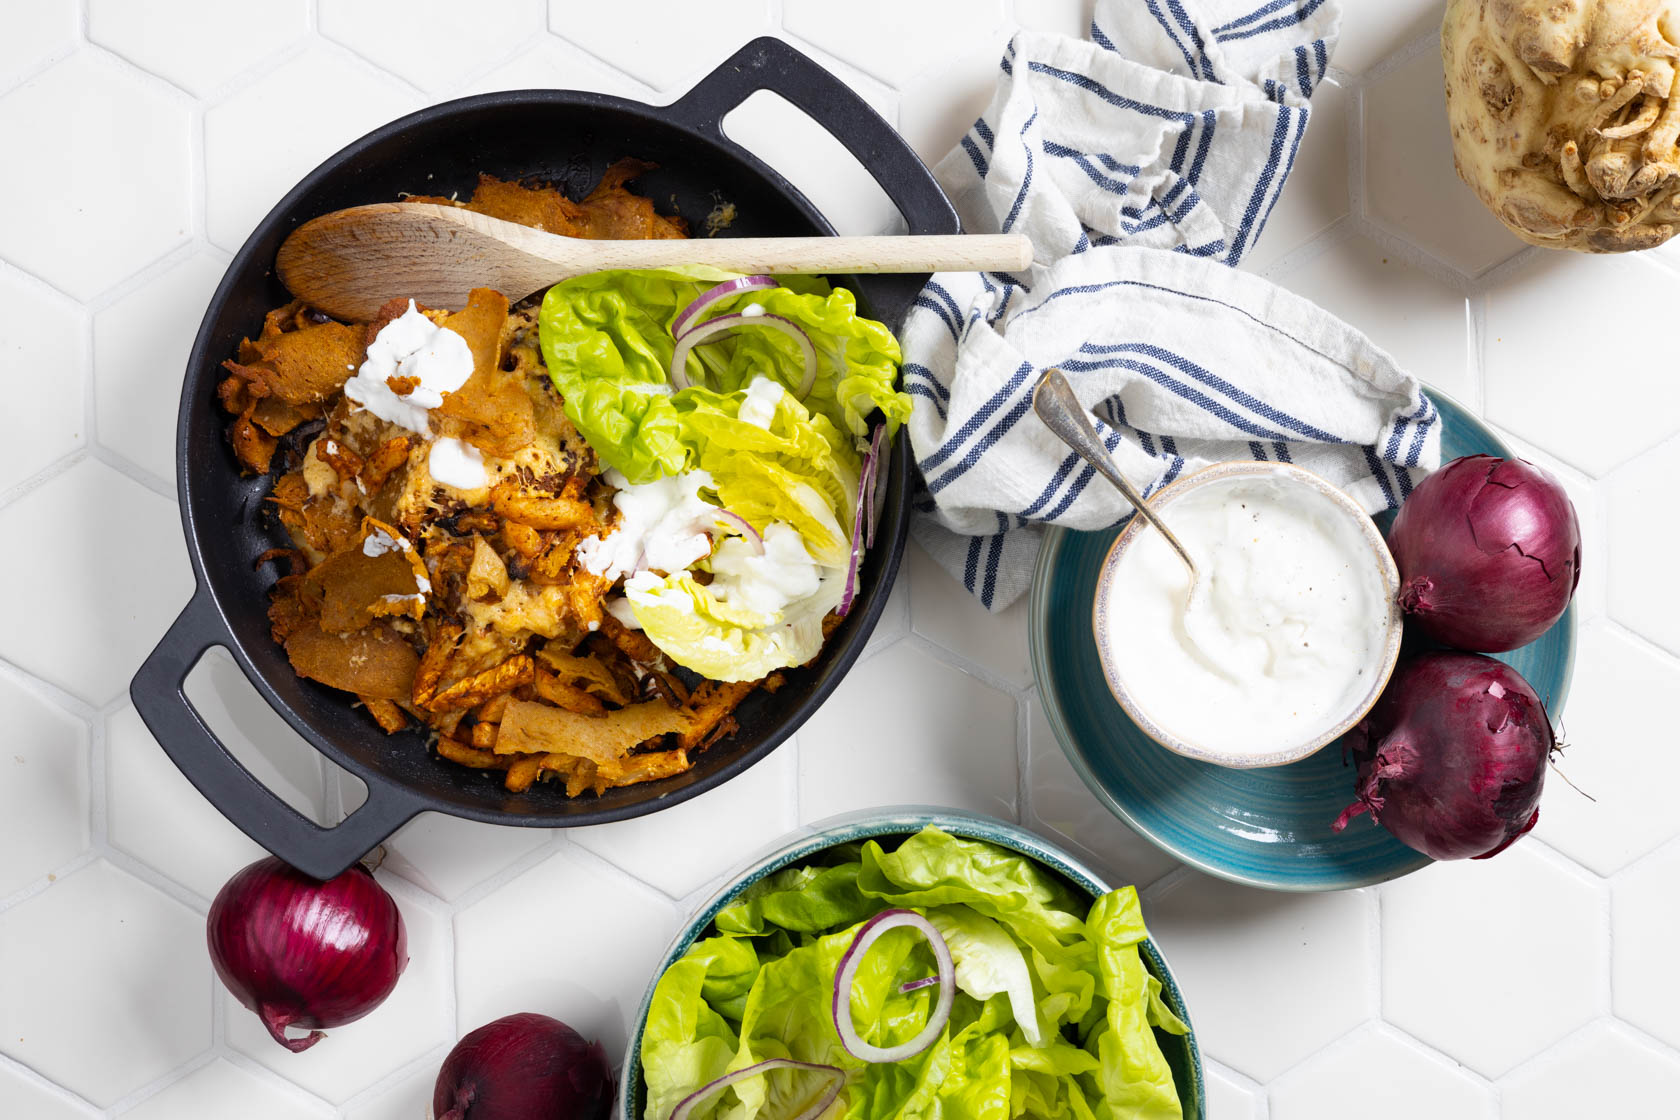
x,y
769,582
1286,628
457,463
379,542
411,345
662,526
759,407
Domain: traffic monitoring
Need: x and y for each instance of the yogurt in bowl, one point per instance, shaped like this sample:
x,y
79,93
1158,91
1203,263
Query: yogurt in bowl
x,y
1291,633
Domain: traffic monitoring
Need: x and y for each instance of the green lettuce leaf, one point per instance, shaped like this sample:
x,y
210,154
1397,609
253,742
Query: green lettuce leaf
x,y
726,641
1097,1008
988,962
799,470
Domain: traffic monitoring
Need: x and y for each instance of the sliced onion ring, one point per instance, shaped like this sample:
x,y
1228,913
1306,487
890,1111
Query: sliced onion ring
x,y
836,1079
725,323
855,561
715,294
877,497
742,527
847,975
912,985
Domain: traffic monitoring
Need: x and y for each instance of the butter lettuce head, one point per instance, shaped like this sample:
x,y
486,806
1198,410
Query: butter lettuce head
x,y
607,342
762,987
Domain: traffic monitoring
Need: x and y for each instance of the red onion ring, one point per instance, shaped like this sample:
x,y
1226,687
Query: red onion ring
x,y
742,526
846,975
855,561
725,323
912,985
877,476
715,294
836,1078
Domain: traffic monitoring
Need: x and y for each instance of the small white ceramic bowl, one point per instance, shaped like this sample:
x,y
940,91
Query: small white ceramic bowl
x,y
1162,502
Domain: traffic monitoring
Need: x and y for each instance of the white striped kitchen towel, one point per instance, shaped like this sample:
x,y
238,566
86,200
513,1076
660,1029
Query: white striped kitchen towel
x,y
1142,163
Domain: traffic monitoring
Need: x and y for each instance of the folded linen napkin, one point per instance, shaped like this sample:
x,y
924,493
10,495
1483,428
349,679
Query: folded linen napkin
x,y
1142,163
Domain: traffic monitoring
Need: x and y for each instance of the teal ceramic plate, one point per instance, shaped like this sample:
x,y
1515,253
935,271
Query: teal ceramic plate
x,y
1267,828
1182,1054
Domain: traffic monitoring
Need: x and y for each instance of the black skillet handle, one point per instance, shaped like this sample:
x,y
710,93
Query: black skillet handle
x,y
767,63
162,703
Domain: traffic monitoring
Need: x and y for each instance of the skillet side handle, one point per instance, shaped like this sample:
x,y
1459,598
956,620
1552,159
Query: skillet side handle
x,y
159,697
768,63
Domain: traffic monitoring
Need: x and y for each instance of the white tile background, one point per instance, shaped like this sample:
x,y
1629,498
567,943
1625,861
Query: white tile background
x,y
1544,983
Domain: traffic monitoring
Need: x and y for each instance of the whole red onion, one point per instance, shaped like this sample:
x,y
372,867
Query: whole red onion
x,y
303,953
1453,756
1489,552
520,1067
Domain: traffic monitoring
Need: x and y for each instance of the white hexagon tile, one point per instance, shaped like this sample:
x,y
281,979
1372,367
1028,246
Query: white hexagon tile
x,y
41,338
1542,984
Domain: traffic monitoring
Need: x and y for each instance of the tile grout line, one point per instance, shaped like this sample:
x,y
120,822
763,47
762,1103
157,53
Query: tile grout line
x,y
163,1081
99,794
30,1075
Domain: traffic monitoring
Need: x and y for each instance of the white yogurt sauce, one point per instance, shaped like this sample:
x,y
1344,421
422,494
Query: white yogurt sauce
x,y
662,526
758,407
768,582
1287,627
458,464
411,345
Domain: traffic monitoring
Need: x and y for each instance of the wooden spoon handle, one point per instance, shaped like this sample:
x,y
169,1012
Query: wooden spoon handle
x,y
1001,252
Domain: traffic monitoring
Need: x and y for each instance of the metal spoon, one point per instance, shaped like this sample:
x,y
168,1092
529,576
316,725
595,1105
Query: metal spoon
x,y
1062,413
349,262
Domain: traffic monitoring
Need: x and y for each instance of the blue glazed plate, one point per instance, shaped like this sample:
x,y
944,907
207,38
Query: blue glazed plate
x,y
1267,828
1183,1055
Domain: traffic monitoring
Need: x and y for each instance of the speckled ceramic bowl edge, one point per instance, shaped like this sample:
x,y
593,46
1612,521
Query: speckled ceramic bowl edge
x,y
1058,721
1216,472
895,821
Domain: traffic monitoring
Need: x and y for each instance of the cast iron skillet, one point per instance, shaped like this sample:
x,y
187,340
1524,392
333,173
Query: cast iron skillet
x,y
569,137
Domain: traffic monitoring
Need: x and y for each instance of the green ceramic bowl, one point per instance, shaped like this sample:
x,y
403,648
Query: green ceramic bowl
x,y
1266,828
1182,1053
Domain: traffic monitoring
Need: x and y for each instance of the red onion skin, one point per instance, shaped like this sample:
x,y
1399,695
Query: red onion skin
x,y
1489,552
1453,756
303,953
524,1065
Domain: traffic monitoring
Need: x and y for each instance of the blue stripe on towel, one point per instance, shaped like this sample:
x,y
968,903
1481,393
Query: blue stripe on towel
x,y
1026,177
1299,15
1214,381
974,422
1259,13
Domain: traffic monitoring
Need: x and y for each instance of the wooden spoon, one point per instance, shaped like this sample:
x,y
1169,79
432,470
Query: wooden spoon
x,y
350,262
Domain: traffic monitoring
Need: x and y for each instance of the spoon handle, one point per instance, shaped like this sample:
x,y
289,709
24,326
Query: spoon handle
x,y
1002,252
1062,413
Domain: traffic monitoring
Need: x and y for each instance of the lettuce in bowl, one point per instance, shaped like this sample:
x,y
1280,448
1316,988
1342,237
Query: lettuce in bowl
x,y
759,983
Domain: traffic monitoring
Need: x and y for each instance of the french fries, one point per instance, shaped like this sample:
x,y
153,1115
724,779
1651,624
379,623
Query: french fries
x,y
465,613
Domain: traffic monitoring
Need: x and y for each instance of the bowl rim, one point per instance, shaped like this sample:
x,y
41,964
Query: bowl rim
x,y
1388,571
896,820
